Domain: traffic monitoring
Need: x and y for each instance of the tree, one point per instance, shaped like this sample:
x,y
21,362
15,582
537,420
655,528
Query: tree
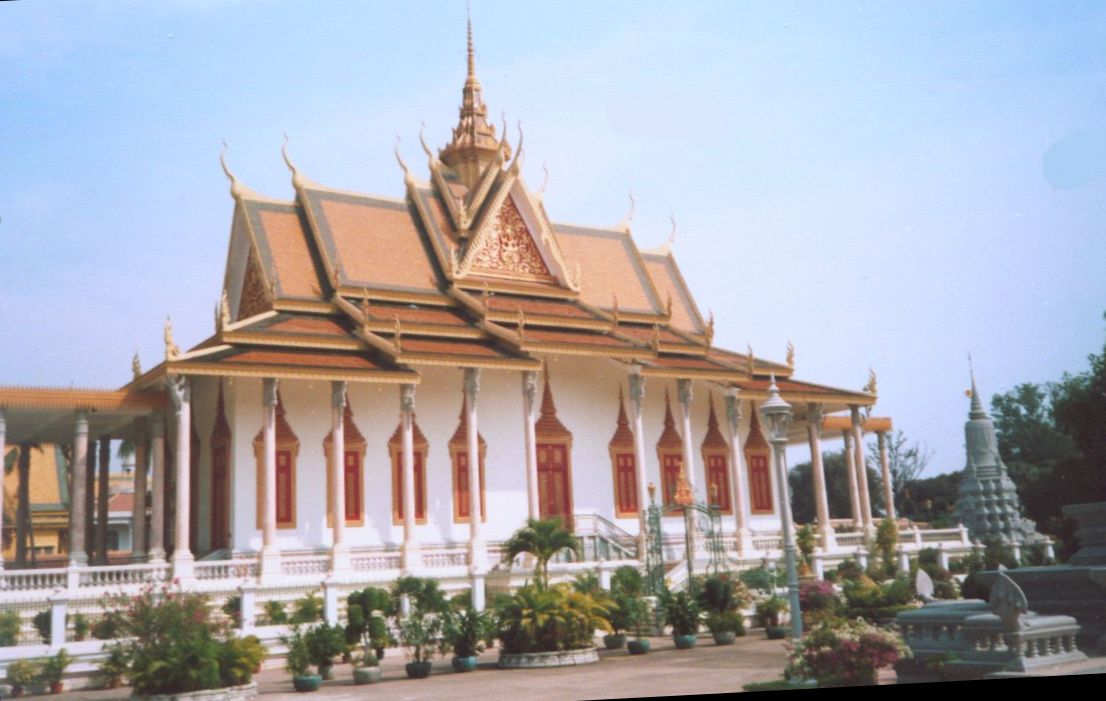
x,y
931,500
801,483
1079,407
906,462
543,539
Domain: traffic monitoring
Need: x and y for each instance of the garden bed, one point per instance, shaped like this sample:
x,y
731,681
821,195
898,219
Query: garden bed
x,y
541,660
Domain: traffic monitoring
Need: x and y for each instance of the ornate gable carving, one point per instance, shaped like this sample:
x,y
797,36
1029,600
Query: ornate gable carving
x,y
255,296
509,247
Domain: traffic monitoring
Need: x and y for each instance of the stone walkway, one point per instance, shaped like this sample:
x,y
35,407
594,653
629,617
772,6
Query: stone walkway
x,y
665,671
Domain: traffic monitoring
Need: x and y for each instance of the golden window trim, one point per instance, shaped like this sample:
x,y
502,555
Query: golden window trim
x,y
455,450
616,451
421,449
293,447
359,447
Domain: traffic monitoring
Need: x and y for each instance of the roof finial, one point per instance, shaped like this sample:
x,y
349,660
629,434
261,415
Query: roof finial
x,y
422,140
236,188
136,366
297,179
750,361
977,411
406,171
671,234
471,53
545,180
630,214
172,350
790,354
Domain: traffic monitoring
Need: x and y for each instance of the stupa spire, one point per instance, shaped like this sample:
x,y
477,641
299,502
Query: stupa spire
x,y
474,144
977,411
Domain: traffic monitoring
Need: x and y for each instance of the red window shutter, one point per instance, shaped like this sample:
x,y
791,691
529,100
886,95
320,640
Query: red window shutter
x,y
760,485
461,465
420,487
353,485
284,494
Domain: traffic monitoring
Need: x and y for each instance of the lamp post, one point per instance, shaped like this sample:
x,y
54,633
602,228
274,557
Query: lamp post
x,y
777,416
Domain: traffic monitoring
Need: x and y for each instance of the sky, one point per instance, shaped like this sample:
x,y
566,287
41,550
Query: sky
x,y
887,185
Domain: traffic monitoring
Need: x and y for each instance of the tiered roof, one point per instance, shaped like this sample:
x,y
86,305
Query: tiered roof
x,y
466,270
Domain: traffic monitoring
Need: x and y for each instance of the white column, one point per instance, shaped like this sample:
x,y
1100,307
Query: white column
x,y
410,553
737,459
102,495
3,438
861,469
821,500
885,470
77,506
180,392
637,397
138,514
339,551
478,556
683,393
270,553
156,538
850,470
529,404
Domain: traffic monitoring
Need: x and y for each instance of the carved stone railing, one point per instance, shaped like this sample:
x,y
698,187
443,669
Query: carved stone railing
x,y
436,558
226,569
767,542
32,580
375,561
110,576
305,564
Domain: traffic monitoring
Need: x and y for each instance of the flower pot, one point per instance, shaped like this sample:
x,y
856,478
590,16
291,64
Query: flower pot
x,y
464,664
684,642
418,670
638,647
307,682
614,642
366,675
776,632
56,687
326,671
724,637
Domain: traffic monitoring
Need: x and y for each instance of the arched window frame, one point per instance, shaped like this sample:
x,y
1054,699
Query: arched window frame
x,y
355,444
624,466
716,453
758,461
421,450
287,444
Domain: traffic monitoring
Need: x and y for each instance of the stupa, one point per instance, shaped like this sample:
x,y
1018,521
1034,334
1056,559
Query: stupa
x,y
987,503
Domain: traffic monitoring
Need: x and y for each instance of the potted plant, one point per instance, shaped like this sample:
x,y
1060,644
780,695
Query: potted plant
x,y
640,617
9,628
298,661
620,616
682,613
112,668
367,611
420,633
22,674
466,631
233,610
274,613
53,670
768,611
81,627
721,596
240,659
324,643
366,668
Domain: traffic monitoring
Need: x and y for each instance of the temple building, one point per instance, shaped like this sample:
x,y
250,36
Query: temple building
x,y
394,385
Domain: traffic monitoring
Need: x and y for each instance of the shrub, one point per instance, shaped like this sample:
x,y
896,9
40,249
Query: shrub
x,y
421,635
10,626
537,619
41,622
817,596
298,658
238,658
363,609
113,668
107,628
324,643
887,537
845,654
467,631
307,609
367,660
806,540
726,622
769,610
275,613
233,609
24,673
682,613
850,570
877,602
172,644
422,592
53,668
588,583
763,580
81,626
627,580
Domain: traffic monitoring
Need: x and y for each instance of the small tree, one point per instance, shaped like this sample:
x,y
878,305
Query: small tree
x,y
887,537
906,462
543,539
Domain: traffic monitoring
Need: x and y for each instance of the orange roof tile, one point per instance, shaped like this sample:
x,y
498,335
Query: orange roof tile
x,y
542,307
287,246
610,265
121,501
669,283
453,346
587,338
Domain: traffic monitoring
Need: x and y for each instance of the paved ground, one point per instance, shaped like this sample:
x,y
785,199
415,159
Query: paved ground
x,y
665,671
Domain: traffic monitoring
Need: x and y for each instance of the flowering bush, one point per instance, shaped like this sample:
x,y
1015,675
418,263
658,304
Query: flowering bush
x,y
847,653
819,603
172,644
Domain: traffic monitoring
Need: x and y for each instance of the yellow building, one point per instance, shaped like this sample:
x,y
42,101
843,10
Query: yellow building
x,y
48,497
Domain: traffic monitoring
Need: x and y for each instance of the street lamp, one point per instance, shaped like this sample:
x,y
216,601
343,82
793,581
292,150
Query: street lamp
x,y
777,416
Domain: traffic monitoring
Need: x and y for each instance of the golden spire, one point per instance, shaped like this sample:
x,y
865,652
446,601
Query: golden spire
x,y
749,363
474,143
790,354
136,366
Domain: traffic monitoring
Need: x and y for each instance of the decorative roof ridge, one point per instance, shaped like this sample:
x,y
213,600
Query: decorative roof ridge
x,y
319,187
670,260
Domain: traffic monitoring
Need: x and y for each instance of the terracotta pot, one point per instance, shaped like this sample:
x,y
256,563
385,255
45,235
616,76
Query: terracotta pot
x,y
56,687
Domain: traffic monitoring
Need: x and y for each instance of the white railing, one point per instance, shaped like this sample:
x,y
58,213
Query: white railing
x,y
444,558
32,580
226,569
375,561
121,575
767,542
849,540
305,564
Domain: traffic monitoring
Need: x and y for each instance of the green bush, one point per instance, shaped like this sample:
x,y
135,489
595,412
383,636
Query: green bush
x,y
24,673
10,627
467,631
682,612
849,570
298,656
627,580
112,669
107,628
726,622
238,659
53,668
81,626
538,619
763,580
769,610
848,653
307,609
363,609
878,603
423,593
324,643
41,622
421,634
275,613
233,610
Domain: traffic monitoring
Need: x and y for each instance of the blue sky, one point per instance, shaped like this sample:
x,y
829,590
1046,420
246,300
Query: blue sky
x,y
885,184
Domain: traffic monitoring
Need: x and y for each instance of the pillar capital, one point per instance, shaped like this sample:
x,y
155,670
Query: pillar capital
x,y
815,412
180,390
530,386
854,414
82,422
472,383
338,394
407,398
733,408
683,392
637,384
269,391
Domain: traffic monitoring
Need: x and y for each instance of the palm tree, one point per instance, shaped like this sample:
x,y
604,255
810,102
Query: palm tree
x,y
543,539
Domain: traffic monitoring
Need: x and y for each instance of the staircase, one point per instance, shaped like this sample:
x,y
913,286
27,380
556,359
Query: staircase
x,y
604,541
